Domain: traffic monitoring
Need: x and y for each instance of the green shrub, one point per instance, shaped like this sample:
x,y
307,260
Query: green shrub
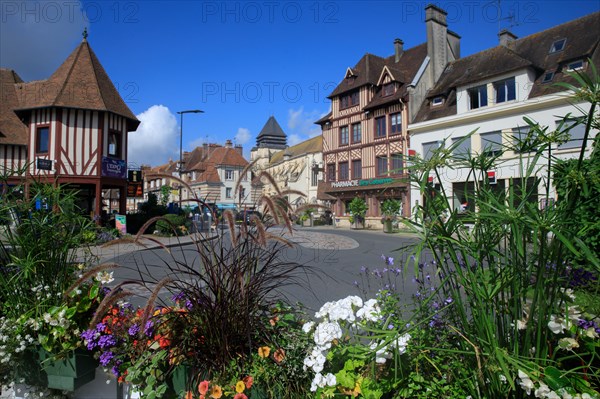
x,y
172,225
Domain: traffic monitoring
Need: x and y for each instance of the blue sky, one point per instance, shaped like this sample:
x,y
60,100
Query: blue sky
x,y
241,61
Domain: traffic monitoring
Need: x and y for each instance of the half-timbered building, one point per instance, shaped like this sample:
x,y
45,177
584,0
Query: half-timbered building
x,y
365,139
70,129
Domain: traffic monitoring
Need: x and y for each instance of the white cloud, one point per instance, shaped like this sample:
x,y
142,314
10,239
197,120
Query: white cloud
x,y
156,139
242,136
38,30
302,126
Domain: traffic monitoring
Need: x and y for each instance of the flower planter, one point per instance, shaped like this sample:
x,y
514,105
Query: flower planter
x,y
358,225
179,381
388,226
71,372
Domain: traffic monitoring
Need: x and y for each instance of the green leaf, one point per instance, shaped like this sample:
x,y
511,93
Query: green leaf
x,y
94,290
555,379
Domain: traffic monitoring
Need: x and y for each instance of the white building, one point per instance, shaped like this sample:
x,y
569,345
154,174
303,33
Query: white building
x,y
492,91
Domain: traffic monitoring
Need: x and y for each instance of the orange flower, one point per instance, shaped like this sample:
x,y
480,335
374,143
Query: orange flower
x,y
203,387
240,386
274,320
189,395
248,380
216,392
279,355
264,351
240,396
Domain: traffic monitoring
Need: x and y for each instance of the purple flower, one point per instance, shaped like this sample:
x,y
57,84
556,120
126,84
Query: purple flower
x,y
364,269
148,328
107,341
178,297
133,330
100,327
389,261
88,335
106,357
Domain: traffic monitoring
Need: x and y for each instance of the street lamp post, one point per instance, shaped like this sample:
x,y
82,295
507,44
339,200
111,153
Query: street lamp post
x,y
189,111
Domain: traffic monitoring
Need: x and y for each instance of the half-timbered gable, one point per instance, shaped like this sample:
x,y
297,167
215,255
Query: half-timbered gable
x,y
70,129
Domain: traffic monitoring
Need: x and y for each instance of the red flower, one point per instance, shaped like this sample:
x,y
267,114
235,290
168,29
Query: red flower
x,y
248,380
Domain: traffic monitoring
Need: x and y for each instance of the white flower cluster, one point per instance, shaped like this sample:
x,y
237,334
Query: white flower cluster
x,y
558,324
105,277
544,392
59,320
42,292
350,311
11,342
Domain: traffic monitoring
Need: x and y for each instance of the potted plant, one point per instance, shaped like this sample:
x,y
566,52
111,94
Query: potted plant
x,y
358,209
389,209
47,292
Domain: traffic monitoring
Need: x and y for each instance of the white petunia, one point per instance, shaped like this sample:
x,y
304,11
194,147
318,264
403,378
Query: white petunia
x,y
308,326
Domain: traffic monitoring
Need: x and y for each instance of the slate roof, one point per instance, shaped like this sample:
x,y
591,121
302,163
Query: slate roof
x,y
369,68
271,135
533,51
12,130
403,72
366,71
309,146
80,82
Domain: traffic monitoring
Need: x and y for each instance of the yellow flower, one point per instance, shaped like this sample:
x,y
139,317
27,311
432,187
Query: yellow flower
x,y
216,392
264,351
240,386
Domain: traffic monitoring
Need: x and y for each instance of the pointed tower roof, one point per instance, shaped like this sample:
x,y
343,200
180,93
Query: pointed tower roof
x,y
80,82
272,135
12,130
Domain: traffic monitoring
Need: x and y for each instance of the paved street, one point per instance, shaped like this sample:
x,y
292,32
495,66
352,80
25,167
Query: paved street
x,y
334,256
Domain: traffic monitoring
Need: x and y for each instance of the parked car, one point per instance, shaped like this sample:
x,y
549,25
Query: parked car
x,y
245,216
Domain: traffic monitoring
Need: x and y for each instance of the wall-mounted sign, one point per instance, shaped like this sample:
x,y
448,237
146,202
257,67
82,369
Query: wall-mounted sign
x,y
43,164
121,223
135,189
356,183
134,176
346,183
372,182
114,168
491,174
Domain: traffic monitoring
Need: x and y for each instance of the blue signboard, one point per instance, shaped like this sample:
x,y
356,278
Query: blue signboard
x,y
114,168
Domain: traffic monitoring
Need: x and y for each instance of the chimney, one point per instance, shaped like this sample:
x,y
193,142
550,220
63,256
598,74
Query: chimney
x,y
454,42
507,38
239,149
399,49
437,39
228,144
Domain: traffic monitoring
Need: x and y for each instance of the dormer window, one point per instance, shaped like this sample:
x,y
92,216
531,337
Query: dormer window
x,y
557,46
548,76
478,97
575,65
388,89
505,90
348,100
439,100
